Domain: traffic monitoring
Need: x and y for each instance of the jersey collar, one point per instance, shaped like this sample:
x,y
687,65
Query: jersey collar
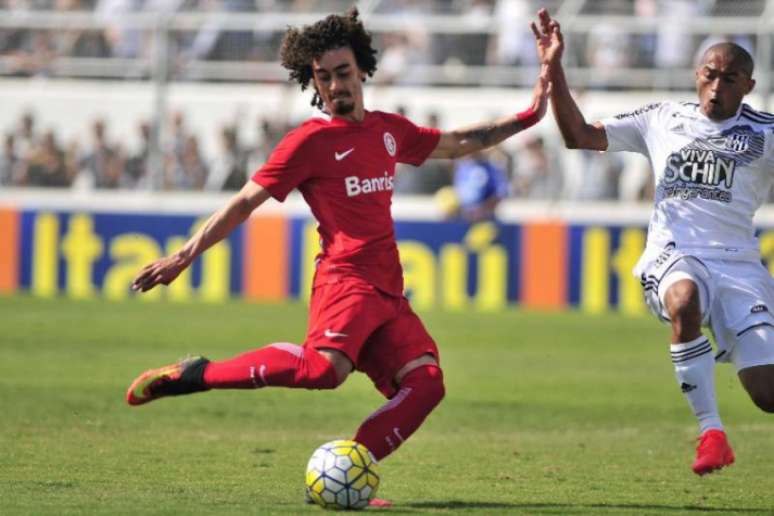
x,y
343,122
733,118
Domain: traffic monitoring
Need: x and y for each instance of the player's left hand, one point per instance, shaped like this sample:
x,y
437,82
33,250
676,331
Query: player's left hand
x,y
548,38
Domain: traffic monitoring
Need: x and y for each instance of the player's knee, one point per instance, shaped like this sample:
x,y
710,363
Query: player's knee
x,y
323,378
684,308
427,381
435,390
325,369
682,300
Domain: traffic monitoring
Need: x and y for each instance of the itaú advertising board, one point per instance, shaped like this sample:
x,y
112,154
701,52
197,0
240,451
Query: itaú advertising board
x,y
536,256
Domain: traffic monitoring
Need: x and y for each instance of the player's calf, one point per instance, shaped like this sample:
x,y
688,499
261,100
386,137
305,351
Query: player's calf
x,y
278,365
754,356
421,390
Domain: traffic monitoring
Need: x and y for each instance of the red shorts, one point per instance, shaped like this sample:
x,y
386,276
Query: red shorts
x,y
379,333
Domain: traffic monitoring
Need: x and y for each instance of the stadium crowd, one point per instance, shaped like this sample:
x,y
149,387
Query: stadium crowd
x,y
530,169
39,51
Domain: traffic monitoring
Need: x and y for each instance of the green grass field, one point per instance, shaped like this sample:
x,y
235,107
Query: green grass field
x,y
544,414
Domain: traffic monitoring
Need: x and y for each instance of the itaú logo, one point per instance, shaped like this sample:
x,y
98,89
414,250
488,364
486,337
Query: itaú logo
x,y
356,186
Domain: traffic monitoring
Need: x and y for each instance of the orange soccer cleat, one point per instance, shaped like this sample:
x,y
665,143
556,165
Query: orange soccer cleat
x,y
183,377
713,452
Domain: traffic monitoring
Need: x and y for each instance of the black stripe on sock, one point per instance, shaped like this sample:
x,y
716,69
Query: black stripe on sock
x,y
701,344
694,351
686,358
689,358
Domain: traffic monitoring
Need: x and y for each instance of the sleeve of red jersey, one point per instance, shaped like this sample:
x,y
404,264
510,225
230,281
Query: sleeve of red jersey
x,y
288,166
416,142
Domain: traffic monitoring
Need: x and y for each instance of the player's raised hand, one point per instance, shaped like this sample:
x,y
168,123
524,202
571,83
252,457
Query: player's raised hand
x,y
162,271
549,39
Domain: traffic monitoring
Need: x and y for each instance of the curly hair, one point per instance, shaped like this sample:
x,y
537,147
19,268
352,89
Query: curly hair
x,y
301,46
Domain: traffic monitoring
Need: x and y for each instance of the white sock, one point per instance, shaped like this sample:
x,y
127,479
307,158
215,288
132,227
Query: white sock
x,y
695,371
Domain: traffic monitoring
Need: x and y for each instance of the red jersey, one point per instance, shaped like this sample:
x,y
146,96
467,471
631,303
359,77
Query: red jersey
x,y
345,172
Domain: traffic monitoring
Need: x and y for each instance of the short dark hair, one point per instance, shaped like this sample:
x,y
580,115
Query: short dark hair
x,y
301,46
739,56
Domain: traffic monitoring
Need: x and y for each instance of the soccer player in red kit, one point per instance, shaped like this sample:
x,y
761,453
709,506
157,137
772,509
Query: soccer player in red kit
x,y
343,162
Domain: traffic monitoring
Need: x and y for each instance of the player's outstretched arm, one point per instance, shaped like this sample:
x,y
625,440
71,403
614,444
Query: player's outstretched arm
x,y
217,227
461,142
576,132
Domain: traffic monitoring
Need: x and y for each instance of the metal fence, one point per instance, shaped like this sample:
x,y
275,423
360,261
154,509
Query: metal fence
x,y
637,44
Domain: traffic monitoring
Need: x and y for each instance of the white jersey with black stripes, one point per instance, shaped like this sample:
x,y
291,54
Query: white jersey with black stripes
x,y
710,177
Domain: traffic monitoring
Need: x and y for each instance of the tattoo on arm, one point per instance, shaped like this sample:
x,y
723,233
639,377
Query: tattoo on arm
x,y
488,134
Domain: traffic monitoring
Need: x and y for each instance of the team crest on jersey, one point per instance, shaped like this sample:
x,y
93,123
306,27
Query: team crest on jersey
x,y
390,145
738,142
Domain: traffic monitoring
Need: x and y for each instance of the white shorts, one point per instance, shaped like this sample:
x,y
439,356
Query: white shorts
x,y
736,297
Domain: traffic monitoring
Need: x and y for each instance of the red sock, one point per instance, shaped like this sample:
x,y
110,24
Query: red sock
x,y
386,429
281,364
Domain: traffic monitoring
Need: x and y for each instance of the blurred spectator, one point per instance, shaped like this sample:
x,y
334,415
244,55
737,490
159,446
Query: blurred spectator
x,y
47,165
608,50
479,186
675,46
77,42
124,41
103,164
267,136
186,171
10,162
429,177
644,44
599,176
26,135
636,182
177,135
513,43
229,169
401,51
402,57
471,48
34,54
136,172
212,41
72,157
537,175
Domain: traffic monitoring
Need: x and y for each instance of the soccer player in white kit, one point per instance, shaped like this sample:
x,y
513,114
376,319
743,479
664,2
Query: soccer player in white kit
x,y
713,163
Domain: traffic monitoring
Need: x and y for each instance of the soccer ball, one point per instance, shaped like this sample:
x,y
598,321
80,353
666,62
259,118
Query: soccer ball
x,y
341,475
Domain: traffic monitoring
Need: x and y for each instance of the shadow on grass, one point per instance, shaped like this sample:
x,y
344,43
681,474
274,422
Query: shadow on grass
x,y
594,508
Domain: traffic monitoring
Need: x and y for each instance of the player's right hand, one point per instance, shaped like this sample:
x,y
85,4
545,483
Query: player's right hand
x,y
162,271
549,39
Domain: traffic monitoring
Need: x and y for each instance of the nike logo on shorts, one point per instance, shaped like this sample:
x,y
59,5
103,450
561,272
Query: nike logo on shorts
x,y
333,334
342,155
